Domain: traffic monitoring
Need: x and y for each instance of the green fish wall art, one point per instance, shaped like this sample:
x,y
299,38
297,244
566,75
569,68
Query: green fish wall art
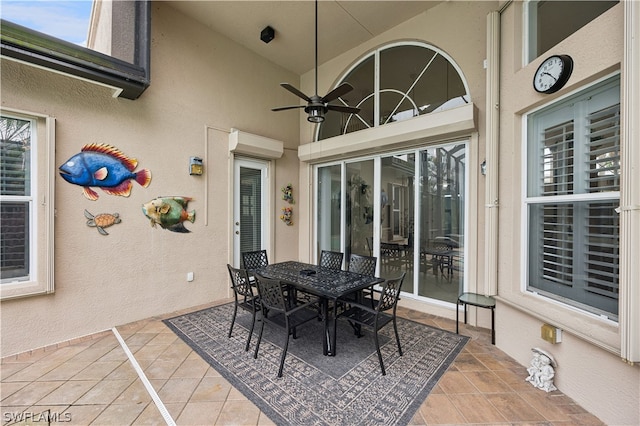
x,y
169,213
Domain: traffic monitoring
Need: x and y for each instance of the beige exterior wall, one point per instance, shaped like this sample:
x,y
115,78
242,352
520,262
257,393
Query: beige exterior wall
x,y
198,79
589,367
594,377
466,46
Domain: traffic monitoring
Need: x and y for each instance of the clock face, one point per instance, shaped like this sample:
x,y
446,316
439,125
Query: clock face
x,y
552,74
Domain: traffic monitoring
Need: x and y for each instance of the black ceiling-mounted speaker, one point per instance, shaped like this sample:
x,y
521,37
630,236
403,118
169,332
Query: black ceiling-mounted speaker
x,y
267,34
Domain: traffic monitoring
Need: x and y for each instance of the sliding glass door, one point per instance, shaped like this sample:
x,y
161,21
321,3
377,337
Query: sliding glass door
x,y
406,208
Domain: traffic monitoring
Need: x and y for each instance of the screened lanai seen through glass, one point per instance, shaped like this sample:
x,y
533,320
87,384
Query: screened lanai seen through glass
x,y
414,79
405,208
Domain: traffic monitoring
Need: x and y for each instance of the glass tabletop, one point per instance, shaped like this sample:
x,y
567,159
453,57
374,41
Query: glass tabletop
x,y
477,300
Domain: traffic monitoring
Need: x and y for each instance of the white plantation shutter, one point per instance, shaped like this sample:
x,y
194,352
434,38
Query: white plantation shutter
x,y
603,161
602,249
557,244
15,196
250,209
573,191
557,157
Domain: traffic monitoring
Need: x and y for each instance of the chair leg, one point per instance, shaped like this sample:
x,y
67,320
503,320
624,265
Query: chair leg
x,y
284,354
255,353
375,338
253,323
233,318
395,328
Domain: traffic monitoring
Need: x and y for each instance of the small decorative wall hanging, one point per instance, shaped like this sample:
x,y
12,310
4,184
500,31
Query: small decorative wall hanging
x,y
101,221
286,215
287,194
105,167
169,213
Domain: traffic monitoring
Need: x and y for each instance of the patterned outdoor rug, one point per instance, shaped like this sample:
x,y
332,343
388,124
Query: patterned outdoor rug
x,y
347,389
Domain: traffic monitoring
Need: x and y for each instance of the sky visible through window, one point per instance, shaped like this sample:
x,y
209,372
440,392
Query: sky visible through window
x,y
66,20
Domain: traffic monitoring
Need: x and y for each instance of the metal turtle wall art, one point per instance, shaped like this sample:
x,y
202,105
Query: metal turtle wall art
x,y
102,221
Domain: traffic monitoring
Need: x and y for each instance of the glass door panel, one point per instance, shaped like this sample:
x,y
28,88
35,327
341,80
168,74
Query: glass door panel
x,y
397,203
406,209
328,208
250,208
442,207
359,209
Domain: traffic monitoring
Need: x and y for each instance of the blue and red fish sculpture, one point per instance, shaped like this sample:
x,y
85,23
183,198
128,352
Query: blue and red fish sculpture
x,y
105,167
169,213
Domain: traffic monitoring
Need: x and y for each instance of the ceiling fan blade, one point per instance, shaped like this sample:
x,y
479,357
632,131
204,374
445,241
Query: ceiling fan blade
x,y
337,92
341,108
287,107
295,91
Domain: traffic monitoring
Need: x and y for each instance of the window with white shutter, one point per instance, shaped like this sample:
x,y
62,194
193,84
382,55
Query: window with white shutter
x,y
26,204
573,190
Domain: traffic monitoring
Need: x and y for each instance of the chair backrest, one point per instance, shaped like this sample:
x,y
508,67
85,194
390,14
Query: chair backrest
x,y
390,250
254,259
240,281
331,259
271,294
365,265
390,293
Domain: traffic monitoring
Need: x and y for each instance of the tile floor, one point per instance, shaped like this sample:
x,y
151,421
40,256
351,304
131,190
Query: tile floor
x,y
91,381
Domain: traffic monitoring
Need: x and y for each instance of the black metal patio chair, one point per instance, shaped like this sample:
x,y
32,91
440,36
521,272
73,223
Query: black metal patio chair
x,y
243,298
254,259
277,310
331,259
384,313
365,265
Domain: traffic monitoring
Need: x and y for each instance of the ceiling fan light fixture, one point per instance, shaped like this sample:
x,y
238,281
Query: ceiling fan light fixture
x,y
315,115
318,106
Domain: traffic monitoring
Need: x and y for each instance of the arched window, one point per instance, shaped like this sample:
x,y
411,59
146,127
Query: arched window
x,y
395,83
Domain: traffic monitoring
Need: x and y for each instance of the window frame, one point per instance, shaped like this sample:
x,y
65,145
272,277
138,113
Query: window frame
x,y
530,28
375,55
377,157
41,238
130,80
576,196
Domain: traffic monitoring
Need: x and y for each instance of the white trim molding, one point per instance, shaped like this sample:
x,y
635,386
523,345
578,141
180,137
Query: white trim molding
x,y
419,131
492,153
254,145
630,190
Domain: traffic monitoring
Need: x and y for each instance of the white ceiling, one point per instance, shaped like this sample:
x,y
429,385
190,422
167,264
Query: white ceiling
x,y
342,25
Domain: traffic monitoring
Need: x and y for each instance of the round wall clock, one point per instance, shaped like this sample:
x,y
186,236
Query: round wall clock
x,y
553,73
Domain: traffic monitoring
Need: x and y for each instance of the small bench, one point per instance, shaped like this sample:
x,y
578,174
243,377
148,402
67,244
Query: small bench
x,y
473,299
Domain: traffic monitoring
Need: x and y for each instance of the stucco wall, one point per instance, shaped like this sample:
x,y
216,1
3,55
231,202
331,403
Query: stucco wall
x,y
592,376
459,29
198,78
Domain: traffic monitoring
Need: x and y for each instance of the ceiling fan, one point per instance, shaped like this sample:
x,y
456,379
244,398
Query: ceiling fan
x,y
318,106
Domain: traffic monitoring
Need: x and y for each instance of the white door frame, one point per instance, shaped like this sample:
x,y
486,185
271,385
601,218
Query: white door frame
x,y
266,229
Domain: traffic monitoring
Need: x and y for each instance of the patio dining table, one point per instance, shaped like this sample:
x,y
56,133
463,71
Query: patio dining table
x,y
326,283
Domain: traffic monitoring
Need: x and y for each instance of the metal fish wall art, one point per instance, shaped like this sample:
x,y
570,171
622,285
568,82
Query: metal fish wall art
x,y
101,221
106,167
169,213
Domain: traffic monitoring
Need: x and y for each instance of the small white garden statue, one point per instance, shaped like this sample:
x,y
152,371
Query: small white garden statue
x,y
541,371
